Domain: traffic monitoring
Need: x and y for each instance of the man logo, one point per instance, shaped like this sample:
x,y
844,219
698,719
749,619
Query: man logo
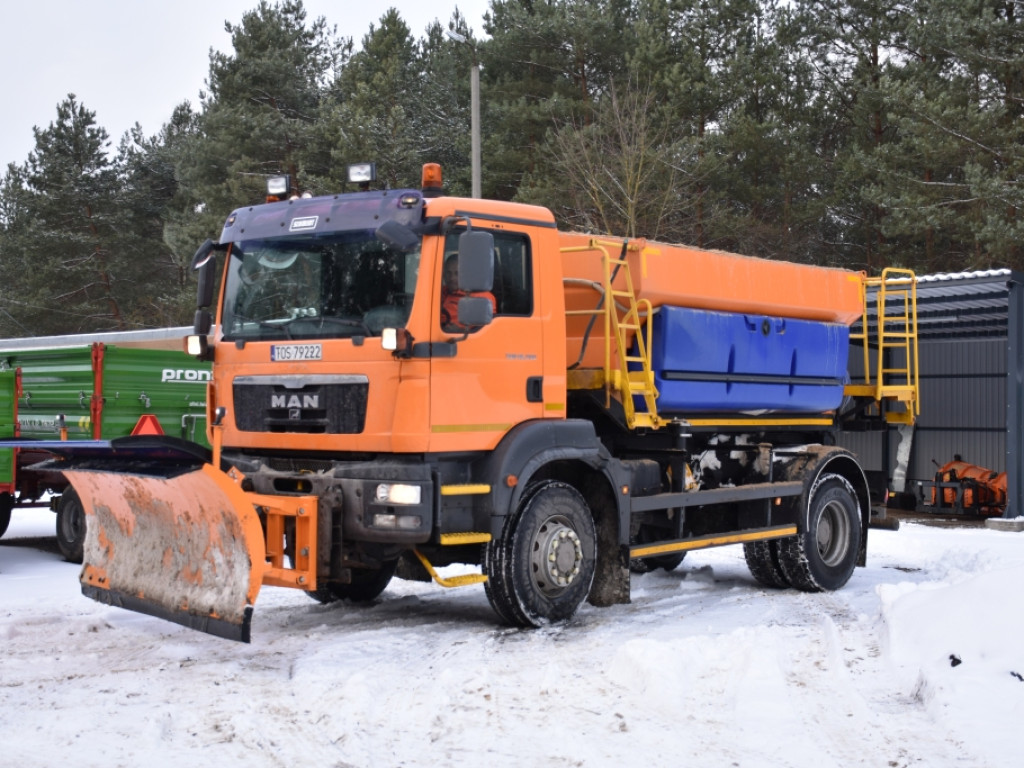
x,y
294,401
294,414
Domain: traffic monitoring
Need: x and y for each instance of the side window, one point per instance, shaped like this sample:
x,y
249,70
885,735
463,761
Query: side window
x,y
513,274
513,284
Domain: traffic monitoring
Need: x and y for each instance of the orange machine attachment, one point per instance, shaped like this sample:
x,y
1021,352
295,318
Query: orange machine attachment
x,y
969,488
189,548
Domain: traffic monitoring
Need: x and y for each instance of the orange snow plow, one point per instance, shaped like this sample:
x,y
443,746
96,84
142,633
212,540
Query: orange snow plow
x,y
968,489
191,547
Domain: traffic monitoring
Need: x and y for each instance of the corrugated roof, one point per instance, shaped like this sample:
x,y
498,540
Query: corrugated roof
x,y
962,305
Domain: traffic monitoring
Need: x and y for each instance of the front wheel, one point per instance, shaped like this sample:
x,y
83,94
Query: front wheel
x,y
541,568
6,507
70,526
824,556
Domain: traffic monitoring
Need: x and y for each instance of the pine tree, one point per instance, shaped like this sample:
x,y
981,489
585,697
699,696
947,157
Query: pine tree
x,y
546,65
77,280
950,180
16,234
371,114
257,118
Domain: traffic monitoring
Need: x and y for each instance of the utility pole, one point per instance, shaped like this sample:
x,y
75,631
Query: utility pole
x,y
474,110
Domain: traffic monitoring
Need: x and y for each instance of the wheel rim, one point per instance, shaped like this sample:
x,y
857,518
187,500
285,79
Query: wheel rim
x,y
556,556
73,523
833,533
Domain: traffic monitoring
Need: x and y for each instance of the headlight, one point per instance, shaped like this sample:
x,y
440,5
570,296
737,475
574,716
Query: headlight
x,y
398,493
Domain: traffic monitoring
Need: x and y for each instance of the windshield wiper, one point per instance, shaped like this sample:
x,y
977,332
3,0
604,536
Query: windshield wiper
x,y
321,323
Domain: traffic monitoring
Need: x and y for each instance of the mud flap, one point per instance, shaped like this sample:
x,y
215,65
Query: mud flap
x,y
188,548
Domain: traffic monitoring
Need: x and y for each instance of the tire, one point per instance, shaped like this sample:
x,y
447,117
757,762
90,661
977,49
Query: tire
x,y
70,526
763,561
541,568
823,557
6,506
366,585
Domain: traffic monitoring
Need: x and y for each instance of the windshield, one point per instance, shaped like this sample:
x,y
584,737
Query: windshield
x,y
326,286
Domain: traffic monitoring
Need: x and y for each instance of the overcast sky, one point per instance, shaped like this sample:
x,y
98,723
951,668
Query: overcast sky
x,y
132,61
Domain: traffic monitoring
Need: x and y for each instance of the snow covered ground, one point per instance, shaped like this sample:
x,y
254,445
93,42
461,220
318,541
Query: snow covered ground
x,y
704,668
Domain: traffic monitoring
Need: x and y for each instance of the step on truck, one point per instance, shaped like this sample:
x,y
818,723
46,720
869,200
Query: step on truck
x,y
404,380
79,392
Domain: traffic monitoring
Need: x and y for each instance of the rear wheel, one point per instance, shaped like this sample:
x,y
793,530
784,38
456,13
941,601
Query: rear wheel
x,y
824,556
6,505
763,561
541,568
70,526
366,584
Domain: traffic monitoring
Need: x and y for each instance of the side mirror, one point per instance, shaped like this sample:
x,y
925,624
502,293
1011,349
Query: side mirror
x,y
203,255
205,264
207,282
476,261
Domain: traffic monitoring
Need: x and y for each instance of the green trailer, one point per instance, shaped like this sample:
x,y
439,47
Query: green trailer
x,y
127,384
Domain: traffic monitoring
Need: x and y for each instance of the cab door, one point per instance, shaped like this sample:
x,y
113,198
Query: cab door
x,y
494,380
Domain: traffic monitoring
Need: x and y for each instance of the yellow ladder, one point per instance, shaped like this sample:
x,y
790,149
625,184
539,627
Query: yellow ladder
x,y
896,341
638,381
625,318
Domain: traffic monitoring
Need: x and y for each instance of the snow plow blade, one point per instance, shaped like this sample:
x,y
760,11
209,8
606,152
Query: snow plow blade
x,y
186,546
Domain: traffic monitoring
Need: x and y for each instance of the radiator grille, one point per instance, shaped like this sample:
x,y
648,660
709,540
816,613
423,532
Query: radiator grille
x,y
310,405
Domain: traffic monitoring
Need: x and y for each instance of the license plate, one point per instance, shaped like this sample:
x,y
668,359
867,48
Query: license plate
x,y
280,353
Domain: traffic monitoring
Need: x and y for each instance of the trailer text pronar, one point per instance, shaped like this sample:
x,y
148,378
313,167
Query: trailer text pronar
x,y
404,380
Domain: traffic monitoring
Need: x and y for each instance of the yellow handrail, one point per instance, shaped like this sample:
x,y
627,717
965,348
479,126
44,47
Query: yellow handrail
x,y
895,334
622,327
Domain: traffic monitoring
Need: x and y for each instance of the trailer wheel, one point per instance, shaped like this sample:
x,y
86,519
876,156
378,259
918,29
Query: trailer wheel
x,y
824,555
70,526
6,506
541,568
763,561
366,584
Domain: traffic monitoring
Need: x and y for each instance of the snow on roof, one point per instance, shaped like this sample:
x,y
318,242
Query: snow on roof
x,y
948,276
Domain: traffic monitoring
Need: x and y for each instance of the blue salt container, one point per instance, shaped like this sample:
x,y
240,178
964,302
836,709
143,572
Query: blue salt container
x,y
708,361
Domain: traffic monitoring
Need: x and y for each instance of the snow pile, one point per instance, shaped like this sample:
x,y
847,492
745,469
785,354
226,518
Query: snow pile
x,y
959,646
704,668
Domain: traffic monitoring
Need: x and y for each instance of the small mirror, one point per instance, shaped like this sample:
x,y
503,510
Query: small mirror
x,y
202,322
475,311
398,236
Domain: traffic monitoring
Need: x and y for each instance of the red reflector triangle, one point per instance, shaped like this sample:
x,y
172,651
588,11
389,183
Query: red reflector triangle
x,y
148,424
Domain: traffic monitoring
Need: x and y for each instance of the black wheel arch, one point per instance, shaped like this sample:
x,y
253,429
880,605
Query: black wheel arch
x,y
819,460
566,450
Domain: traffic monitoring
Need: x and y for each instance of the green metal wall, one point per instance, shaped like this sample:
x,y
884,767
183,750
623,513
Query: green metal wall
x,y
8,385
167,384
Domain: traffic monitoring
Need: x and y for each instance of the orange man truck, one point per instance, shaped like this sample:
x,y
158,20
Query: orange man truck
x,y
604,406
